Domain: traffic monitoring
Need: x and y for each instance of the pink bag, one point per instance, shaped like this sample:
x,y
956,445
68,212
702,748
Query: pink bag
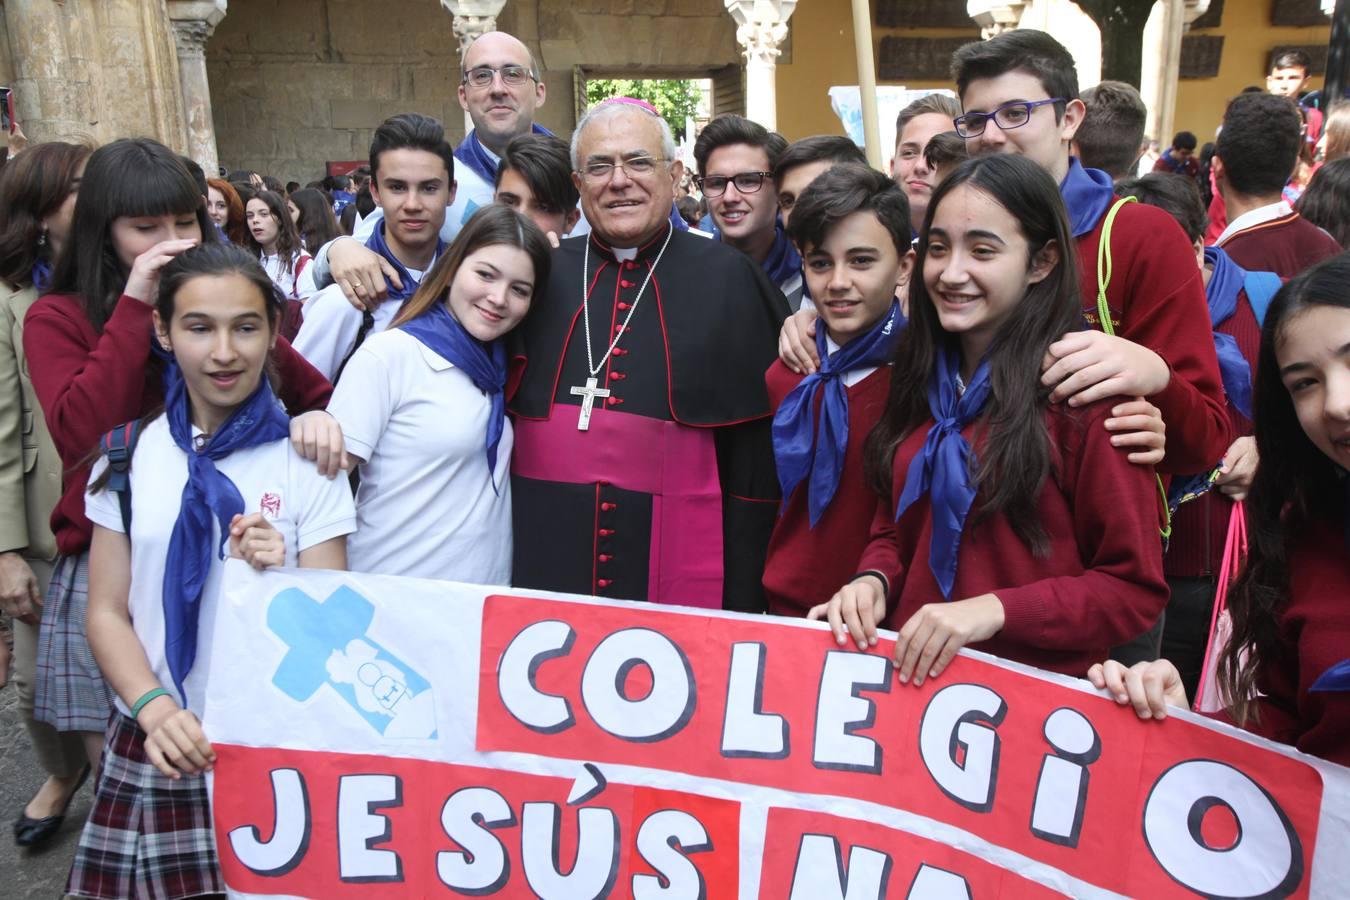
x,y
1207,699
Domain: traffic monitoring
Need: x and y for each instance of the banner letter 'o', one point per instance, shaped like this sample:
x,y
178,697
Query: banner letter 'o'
x,y
666,708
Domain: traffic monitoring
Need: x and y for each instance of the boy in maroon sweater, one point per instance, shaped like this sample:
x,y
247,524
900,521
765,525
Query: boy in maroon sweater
x,y
852,227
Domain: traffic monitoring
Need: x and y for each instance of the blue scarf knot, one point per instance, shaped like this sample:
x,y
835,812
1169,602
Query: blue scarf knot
x,y
943,468
801,452
1088,194
208,493
1221,294
473,154
377,243
485,364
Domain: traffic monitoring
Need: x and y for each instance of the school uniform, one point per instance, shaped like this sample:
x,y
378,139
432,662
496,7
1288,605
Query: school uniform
x,y
148,835
290,281
807,563
88,383
428,505
1276,239
1101,582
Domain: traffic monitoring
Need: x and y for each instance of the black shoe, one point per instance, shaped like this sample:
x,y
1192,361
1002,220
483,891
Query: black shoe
x,y
35,832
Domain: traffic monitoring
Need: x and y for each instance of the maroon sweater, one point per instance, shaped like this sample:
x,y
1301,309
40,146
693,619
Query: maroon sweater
x,y
1101,582
806,565
1285,246
88,384
1314,635
1200,527
1157,299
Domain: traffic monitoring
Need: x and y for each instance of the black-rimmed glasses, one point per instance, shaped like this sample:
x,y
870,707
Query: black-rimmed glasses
x,y
481,76
746,183
1008,116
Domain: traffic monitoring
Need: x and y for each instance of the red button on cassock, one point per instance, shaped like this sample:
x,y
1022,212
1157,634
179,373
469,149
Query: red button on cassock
x,y
604,557
617,376
604,582
619,351
623,305
607,507
613,401
626,283
606,532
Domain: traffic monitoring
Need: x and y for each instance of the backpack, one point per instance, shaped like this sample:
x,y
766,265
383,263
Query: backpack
x,y
118,445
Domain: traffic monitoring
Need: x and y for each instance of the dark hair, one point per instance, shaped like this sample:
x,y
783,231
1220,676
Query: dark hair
x,y
292,187
1259,143
129,177
411,131
288,240
317,224
364,202
728,129
274,185
1023,50
839,193
1183,140
333,183
217,258
1112,134
688,208
361,176
1326,202
1176,195
1289,58
196,171
316,185
245,191
1015,460
346,219
945,149
492,224
234,221
244,175
33,186
1295,486
820,148
929,104
542,161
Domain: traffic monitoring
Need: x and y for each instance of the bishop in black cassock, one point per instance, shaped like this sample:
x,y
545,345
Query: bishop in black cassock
x,y
643,467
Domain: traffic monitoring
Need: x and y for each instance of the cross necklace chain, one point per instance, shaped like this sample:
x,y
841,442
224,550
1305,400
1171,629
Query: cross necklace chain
x,y
590,391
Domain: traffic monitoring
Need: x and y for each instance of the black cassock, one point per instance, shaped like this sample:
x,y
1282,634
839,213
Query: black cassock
x,y
670,493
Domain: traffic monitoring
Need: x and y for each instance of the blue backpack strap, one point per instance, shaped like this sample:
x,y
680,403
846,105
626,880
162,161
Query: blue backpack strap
x,y
118,445
1261,288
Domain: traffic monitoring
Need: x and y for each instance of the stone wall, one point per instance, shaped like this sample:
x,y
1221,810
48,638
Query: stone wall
x,y
296,83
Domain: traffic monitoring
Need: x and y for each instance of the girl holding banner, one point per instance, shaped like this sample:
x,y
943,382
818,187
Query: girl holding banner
x,y
1048,555
216,466
1285,672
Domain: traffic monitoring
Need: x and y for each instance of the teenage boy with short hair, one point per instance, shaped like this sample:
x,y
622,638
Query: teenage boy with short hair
x,y
1289,73
803,161
852,226
1179,159
412,178
1111,137
735,159
535,179
1019,91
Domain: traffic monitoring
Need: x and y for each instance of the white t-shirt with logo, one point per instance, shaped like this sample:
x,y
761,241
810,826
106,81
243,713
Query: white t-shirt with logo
x,y
426,506
303,505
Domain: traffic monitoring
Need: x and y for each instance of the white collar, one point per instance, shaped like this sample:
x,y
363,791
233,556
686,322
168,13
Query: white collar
x,y
1253,217
853,376
622,254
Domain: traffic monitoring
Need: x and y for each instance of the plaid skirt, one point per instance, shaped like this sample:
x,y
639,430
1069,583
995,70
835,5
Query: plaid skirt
x,y
148,836
69,691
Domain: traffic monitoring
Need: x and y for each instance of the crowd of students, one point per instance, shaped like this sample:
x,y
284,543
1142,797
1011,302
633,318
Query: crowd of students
x,y
1017,400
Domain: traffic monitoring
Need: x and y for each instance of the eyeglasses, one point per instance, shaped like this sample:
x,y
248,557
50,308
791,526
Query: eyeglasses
x,y
746,182
637,167
481,76
1006,117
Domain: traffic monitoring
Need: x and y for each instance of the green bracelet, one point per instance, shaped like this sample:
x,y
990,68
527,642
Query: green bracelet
x,y
146,698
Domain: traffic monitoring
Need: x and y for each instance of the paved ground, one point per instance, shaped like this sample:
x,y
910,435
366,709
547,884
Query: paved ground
x,y
23,875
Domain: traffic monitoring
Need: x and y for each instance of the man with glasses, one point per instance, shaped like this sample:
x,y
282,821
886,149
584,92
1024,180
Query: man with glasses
x,y
642,466
735,159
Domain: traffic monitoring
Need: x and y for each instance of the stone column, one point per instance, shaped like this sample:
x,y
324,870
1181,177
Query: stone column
x,y
54,93
193,22
995,16
473,18
1162,63
761,26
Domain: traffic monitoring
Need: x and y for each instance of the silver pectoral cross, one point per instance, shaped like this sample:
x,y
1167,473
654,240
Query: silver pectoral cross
x,y
588,395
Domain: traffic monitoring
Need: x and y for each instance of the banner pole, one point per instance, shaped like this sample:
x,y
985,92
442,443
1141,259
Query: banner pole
x,y
867,80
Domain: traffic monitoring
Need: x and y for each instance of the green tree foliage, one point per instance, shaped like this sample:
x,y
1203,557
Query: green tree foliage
x,y
674,100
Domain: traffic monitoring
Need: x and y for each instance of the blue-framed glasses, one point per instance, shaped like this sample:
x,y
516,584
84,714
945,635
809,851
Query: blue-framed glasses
x,y
1006,117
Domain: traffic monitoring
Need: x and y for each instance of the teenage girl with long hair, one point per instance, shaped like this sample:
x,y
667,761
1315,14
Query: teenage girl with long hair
x,y
1285,672
272,235
214,468
312,213
226,209
1010,523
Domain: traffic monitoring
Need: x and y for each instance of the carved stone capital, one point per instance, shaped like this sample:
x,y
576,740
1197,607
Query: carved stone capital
x,y
1194,9
193,23
472,18
761,27
997,16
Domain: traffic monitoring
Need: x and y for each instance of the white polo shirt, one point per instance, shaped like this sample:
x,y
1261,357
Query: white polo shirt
x,y
426,506
304,506
331,324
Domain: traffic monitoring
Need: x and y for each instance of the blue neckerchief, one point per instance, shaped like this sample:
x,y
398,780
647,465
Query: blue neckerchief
x,y
341,200
208,493
1336,678
473,154
793,436
943,468
485,364
1088,194
376,242
1221,293
41,276
783,260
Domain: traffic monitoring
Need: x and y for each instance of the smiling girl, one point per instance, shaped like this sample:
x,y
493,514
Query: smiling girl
x,y
215,467
1286,670
421,406
1012,524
